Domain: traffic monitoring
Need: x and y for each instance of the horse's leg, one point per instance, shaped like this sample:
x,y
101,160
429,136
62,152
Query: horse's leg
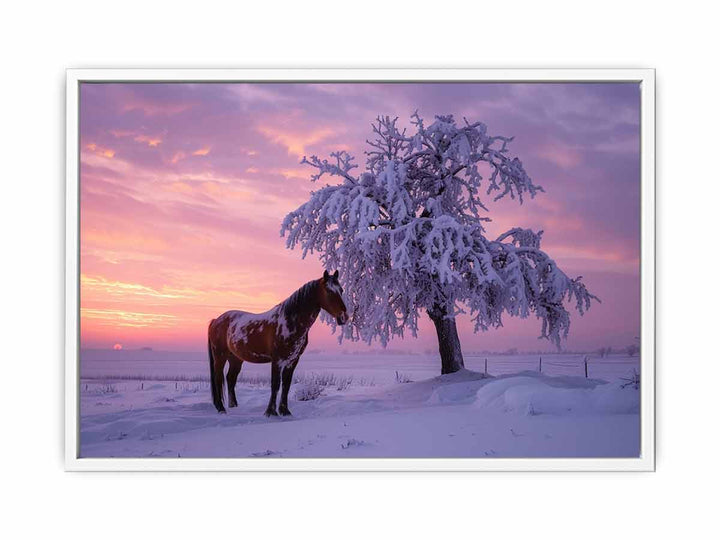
x,y
232,376
220,360
274,387
287,376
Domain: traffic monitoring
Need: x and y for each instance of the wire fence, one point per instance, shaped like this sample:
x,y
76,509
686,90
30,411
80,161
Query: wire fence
x,y
581,365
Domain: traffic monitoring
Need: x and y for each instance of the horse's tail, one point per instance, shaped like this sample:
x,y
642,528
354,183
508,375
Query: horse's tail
x,y
217,392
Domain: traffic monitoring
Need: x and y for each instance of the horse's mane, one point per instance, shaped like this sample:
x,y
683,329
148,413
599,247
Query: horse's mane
x,y
301,299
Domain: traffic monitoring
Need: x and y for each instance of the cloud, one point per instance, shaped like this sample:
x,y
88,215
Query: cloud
x,y
102,285
155,108
150,141
177,156
248,95
100,151
120,133
561,155
113,318
296,142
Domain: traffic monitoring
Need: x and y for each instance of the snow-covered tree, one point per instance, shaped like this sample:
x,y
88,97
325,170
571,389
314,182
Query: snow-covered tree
x,y
407,236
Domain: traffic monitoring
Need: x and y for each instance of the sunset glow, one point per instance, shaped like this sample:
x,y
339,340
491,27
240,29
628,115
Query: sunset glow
x,y
183,188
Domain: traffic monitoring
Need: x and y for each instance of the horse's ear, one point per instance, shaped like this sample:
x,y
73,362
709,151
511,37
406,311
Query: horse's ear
x,y
335,275
325,275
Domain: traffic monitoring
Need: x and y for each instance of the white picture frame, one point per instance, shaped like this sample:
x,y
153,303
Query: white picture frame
x,y
646,460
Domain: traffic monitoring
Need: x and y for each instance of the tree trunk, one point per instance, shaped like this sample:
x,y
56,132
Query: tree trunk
x,y
448,342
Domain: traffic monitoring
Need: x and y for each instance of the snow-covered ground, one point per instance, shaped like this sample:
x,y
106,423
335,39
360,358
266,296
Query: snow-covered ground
x,y
146,403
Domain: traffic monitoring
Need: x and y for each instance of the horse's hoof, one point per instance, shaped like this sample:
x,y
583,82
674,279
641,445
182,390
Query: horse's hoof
x,y
222,411
285,412
271,412
232,405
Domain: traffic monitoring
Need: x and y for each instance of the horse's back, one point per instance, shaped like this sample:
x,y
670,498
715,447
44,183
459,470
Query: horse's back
x,y
248,336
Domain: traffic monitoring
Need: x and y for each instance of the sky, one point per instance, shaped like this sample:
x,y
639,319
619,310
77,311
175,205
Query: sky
x,y
183,188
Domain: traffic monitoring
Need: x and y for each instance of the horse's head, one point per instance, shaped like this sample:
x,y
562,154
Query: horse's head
x,y
331,297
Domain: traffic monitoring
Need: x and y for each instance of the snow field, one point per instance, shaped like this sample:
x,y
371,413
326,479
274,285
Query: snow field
x,y
359,411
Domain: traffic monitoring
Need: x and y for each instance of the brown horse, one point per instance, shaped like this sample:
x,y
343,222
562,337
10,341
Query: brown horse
x,y
277,337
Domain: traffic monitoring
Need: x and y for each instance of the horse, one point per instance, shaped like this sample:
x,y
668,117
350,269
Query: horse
x,y
277,337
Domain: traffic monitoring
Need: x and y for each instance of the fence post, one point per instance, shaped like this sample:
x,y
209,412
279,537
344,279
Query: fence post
x,y
486,366
586,368
540,366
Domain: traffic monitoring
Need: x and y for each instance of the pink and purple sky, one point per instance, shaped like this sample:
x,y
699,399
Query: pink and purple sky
x,y
183,188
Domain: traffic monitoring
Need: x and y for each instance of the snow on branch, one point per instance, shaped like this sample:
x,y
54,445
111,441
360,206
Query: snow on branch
x,y
407,233
341,166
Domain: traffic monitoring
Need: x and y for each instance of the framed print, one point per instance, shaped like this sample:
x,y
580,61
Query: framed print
x,y
382,269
